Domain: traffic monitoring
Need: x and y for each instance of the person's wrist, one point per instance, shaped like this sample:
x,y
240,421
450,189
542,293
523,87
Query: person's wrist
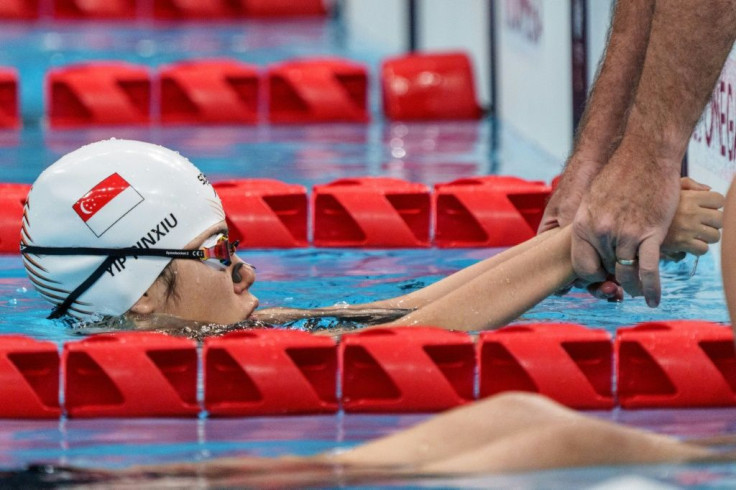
x,y
653,159
664,144
588,156
579,174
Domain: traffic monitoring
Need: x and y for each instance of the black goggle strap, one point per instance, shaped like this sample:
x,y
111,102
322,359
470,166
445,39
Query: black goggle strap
x,y
115,252
61,309
112,255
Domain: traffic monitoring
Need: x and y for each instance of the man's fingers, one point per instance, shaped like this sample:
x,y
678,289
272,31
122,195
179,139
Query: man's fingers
x,y
606,253
649,270
586,262
547,224
627,269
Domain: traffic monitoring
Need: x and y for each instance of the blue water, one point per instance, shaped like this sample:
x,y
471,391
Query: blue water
x,y
308,155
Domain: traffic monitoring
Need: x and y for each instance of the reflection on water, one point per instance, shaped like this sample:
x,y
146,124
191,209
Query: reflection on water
x,y
254,474
298,472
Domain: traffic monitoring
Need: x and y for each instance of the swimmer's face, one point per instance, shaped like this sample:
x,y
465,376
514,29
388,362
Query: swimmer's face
x,y
205,291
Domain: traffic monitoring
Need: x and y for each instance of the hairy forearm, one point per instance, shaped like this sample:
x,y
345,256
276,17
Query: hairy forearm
x,y
689,43
502,293
604,120
613,93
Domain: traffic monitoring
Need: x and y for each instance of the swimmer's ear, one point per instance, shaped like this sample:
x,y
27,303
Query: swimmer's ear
x,y
146,304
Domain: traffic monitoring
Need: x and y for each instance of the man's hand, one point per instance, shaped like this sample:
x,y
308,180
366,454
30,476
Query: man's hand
x,y
565,199
625,217
560,211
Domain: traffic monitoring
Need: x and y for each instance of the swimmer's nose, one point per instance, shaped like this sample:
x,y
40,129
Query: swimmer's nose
x,y
242,274
236,272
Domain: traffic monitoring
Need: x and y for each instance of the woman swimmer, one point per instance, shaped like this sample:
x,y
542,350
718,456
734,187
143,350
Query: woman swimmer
x,y
102,225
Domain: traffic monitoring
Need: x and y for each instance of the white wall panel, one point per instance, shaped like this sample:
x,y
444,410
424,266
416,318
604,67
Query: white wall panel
x,y
459,25
712,149
377,25
599,20
534,71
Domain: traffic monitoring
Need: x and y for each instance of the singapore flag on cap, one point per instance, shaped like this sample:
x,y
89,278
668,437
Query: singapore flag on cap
x,y
106,203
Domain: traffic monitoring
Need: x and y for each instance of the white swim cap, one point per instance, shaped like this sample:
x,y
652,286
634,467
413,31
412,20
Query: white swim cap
x,y
112,194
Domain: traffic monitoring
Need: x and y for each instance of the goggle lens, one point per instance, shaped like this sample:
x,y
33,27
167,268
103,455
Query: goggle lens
x,y
221,250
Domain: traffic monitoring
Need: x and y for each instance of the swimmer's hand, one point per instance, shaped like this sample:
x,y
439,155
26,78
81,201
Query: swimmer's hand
x,y
697,222
280,315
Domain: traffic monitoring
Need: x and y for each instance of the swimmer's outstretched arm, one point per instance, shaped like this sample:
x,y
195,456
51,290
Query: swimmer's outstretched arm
x,y
407,302
456,280
502,293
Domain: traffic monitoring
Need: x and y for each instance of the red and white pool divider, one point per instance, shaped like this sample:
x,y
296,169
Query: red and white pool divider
x,y
375,212
227,91
165,10
411,369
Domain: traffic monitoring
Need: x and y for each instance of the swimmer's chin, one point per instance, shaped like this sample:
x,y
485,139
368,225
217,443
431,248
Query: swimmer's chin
x,y
252,314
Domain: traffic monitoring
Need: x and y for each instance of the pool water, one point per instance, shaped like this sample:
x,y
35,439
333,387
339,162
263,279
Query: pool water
x,y
307,155
313,277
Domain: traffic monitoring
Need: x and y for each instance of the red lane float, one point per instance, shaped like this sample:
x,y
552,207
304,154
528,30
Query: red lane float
x,y
676,364
260,372
371,212
492,211
283,8
95,9
566,362
12,199
265,212
131,374
19,9
209,91
29,378
103,93
317,90
196,10
429,86
410,369
9,117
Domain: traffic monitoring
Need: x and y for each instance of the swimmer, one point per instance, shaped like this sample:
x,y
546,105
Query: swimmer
x,y
506,433
132,230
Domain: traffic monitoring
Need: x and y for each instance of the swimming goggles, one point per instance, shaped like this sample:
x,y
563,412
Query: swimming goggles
x,y
222,249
